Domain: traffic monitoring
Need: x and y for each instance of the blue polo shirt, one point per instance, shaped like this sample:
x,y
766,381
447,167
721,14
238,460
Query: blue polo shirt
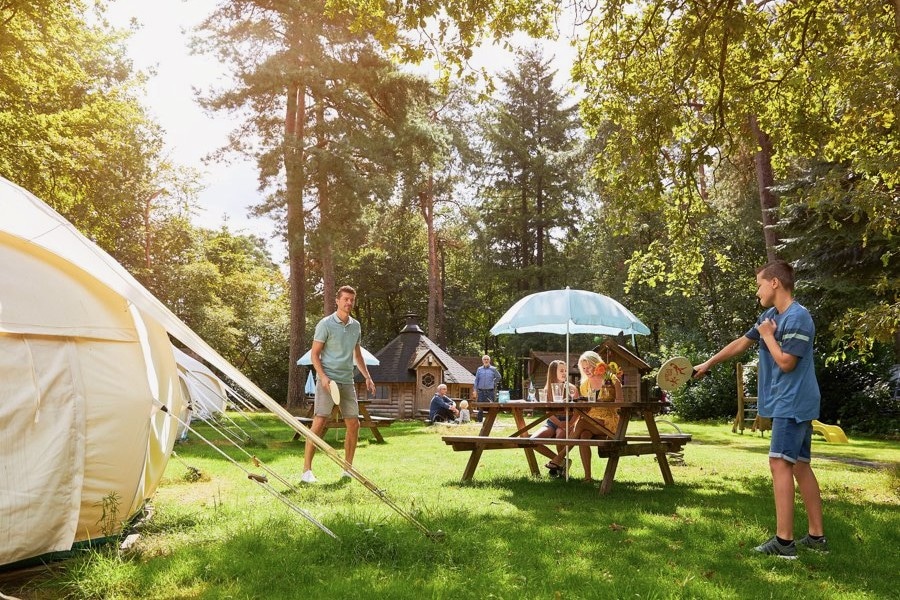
x,y
339,342
795,394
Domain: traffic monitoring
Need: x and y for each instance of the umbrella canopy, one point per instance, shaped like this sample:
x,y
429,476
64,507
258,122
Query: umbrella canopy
x,y
569,311
368,357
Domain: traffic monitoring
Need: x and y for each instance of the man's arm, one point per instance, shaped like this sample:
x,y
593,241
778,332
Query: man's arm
x,y
315,354
735,348
361,365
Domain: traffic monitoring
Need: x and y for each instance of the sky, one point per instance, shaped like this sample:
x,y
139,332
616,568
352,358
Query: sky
x,y
161,43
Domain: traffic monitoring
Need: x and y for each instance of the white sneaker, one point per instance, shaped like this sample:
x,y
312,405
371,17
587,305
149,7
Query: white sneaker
x,y
346,475
308,477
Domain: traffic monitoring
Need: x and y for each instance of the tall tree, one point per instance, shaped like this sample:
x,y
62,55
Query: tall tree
x,y
683,87
305,82
531,146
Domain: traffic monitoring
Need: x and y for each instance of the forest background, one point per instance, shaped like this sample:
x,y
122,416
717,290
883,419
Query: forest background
x,y
698,140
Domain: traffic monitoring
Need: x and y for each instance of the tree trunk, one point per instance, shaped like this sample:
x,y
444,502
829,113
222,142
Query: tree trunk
x,y
295,119
326,226
765,179
435,293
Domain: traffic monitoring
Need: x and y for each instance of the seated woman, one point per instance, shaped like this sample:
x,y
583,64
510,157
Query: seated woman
x,y
555,426
442,407
597,422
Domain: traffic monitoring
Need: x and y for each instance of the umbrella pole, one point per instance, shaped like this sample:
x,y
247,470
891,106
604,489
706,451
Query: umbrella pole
x,y
566,451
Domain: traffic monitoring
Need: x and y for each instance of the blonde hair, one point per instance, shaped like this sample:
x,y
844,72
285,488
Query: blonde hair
x,y
464,404
590,357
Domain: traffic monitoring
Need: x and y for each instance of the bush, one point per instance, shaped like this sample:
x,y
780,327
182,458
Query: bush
x,y
714,397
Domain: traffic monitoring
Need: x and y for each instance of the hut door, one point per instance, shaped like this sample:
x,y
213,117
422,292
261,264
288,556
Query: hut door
x,y
428,379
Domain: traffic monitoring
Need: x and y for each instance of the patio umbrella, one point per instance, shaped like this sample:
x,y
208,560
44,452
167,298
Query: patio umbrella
x,y
368,358
568,311
310,388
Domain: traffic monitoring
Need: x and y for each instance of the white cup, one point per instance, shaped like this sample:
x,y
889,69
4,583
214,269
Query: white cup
x,y
542,395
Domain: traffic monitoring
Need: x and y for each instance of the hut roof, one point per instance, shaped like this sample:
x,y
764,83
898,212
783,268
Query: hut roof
x,y
400,357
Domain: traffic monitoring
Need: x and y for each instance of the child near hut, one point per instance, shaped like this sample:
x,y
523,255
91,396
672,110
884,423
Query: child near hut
x,y
464,416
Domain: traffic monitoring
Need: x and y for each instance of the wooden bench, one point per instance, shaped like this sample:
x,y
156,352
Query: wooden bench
x,y
612,450
632,445
336,421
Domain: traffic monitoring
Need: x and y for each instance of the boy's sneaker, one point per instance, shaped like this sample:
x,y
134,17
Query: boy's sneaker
x,y
774,547
308,477
346,475
819,545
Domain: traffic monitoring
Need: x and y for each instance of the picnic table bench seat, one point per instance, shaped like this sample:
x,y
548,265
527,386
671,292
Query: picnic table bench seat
x,y
366,420
632,445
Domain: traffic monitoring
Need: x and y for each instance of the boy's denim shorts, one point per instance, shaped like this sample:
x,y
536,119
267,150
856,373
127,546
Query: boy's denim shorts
x,y
791,440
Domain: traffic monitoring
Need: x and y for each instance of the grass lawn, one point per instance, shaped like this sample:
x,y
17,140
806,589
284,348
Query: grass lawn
x,y
508,535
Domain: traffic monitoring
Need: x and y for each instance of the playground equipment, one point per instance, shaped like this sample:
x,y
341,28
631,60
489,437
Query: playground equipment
x,y
746,409
832,433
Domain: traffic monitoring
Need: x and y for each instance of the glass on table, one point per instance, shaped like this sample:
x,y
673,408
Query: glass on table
x,y
559,391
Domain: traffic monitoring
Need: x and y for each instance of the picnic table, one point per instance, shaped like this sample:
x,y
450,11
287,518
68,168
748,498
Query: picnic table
x,y
616,446
337,421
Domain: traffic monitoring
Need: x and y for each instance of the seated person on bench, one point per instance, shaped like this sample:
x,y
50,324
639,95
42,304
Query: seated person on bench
x,y
598,422
557,425
442,407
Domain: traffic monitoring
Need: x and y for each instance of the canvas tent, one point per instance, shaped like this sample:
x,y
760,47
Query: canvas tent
x,y
82,372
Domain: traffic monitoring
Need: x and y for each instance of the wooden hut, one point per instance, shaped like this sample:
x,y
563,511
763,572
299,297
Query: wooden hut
x,y
412,366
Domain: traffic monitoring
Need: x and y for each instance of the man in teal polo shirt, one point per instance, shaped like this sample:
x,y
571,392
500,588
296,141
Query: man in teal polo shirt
x,y
335,347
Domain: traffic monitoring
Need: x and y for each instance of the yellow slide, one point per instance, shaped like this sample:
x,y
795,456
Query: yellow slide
x,y
832,433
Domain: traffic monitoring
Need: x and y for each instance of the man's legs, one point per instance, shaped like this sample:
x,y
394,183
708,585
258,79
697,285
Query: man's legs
x,y
318,425
351,439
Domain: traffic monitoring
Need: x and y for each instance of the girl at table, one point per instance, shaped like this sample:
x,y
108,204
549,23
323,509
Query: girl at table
x,y
555,426
597,422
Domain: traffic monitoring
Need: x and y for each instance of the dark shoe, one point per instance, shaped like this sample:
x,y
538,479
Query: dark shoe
x,y
819,545
774,547
554,472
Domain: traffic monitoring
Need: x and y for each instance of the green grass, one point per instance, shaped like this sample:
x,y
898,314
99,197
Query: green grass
x,y
507,535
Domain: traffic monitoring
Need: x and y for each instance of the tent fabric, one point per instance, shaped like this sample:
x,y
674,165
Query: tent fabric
x,y
81,372
207,393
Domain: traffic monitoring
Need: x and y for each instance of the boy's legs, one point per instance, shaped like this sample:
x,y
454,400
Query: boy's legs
x,y
789,455
812,497
783,488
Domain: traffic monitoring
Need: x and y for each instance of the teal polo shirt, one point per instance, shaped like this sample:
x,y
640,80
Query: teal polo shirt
x,y
339,342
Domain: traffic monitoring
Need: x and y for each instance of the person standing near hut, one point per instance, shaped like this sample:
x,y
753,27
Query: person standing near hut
x,y
335,347
487,378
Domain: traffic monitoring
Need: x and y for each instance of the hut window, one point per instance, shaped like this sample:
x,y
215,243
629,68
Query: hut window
x,y
428,380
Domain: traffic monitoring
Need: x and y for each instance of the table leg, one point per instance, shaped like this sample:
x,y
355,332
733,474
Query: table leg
x,y
486,426
529,452
612,463
365,418
659,447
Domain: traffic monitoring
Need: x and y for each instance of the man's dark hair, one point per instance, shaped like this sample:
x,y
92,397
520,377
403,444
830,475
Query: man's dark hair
x,y
780,270
347,289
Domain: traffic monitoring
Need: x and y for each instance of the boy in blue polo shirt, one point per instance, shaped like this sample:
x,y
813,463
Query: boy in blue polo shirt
x,y
788,394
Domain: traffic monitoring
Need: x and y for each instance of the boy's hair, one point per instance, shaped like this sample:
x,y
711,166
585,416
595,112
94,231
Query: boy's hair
x,y
345,289
464,404
780,270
